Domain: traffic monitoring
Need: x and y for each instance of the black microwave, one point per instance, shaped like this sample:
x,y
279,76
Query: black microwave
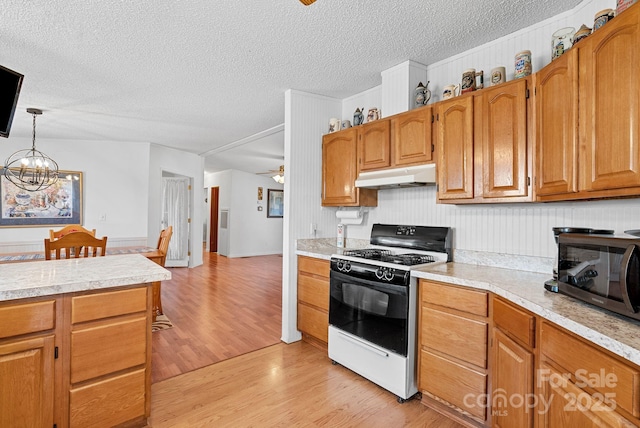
x,y
601,270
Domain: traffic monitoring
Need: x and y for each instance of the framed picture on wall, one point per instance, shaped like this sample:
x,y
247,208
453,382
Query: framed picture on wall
x,y
58,204
275,203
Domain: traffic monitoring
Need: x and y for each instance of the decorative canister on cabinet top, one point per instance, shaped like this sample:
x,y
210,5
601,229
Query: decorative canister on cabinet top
x,y
602,18
522,64
623,4
582,32
418,95
561,41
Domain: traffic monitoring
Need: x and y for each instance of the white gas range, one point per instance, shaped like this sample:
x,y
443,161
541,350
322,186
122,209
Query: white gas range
x,y
373,303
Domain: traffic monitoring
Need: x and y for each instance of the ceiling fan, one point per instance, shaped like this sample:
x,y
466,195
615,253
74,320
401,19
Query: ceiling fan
x,y
307,2
279,174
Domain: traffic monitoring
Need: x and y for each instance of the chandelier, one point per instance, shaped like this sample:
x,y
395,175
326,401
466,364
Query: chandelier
x,y
30,169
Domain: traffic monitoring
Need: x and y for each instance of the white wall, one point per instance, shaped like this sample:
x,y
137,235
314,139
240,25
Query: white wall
x,y
250,232
180,163
122,183
115,176
517,229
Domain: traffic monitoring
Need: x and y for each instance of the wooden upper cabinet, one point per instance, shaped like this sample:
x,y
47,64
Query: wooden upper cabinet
x,y
609,105
411,137
455,148
375,148
340,170
504,140
557,126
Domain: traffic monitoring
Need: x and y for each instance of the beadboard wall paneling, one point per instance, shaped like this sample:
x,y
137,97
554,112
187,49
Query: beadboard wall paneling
x,y
306,121
501,52
398,85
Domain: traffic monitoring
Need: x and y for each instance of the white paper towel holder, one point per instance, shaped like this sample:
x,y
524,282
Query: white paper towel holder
x,y
350,216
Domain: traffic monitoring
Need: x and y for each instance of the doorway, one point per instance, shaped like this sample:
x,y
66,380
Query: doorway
x,y
213,219
175,212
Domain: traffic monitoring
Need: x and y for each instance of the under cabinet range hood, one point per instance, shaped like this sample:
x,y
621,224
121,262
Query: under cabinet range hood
x,y
410,176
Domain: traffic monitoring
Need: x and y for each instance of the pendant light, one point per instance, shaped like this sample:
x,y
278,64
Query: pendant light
x,y
30,169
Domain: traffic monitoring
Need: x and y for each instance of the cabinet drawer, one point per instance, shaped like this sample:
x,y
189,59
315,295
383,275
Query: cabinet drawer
x,y
107,348
103,305
314,291
27,318
313,322
121,398
461,299
454,383
314,266
591,367
516,323
454,335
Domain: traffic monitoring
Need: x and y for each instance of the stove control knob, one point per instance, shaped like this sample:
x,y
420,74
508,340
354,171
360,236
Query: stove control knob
x,y
347,266
380,272
340,265
388,275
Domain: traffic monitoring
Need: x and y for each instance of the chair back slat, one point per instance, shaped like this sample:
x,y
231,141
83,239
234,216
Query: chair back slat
x,y
75,245
163,243
70,228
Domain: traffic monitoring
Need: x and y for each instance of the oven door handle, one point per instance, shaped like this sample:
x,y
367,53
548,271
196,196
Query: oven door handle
x,y
364,345
376,285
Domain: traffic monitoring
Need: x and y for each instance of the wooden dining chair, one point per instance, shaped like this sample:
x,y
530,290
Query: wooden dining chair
x,y
75,245
70,228
163,244
160,258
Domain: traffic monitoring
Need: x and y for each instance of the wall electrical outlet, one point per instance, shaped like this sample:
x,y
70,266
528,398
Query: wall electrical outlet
x,y
312,230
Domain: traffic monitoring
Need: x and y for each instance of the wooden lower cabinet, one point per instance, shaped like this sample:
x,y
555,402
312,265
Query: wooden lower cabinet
x,y
313,300
512,375
453,351
76,360
583,385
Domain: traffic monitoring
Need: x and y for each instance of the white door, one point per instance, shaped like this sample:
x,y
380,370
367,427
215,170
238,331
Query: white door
x,y
175,212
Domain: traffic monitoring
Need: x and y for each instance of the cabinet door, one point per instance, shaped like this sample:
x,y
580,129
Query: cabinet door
x,y
557,126
504,140
455,149
339,168
412,137
563,404
610,105
375,145
512,380
26,382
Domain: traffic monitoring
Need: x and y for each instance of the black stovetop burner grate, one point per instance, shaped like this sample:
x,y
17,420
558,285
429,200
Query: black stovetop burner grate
x,y
408,259
389,257
367,253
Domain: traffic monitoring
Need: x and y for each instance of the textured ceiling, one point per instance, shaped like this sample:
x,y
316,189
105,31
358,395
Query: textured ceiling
x,y
199,75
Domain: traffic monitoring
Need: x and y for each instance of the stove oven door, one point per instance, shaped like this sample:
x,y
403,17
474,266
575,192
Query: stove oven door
x,y
375,311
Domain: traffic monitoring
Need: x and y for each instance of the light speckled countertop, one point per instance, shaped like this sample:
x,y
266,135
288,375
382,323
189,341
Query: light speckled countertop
x,y
50,277
618,334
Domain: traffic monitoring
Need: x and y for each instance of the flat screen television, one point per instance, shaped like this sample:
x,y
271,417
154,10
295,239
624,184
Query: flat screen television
x,y
10,84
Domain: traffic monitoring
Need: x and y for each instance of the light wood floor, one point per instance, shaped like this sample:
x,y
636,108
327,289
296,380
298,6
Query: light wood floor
x,y
282,386
224,308
223,364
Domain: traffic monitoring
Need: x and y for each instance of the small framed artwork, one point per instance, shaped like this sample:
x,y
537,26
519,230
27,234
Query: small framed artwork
x,y
58,204
275,203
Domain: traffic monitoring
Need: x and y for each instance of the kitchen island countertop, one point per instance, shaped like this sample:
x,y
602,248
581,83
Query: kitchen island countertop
x,y
51,277
615,333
